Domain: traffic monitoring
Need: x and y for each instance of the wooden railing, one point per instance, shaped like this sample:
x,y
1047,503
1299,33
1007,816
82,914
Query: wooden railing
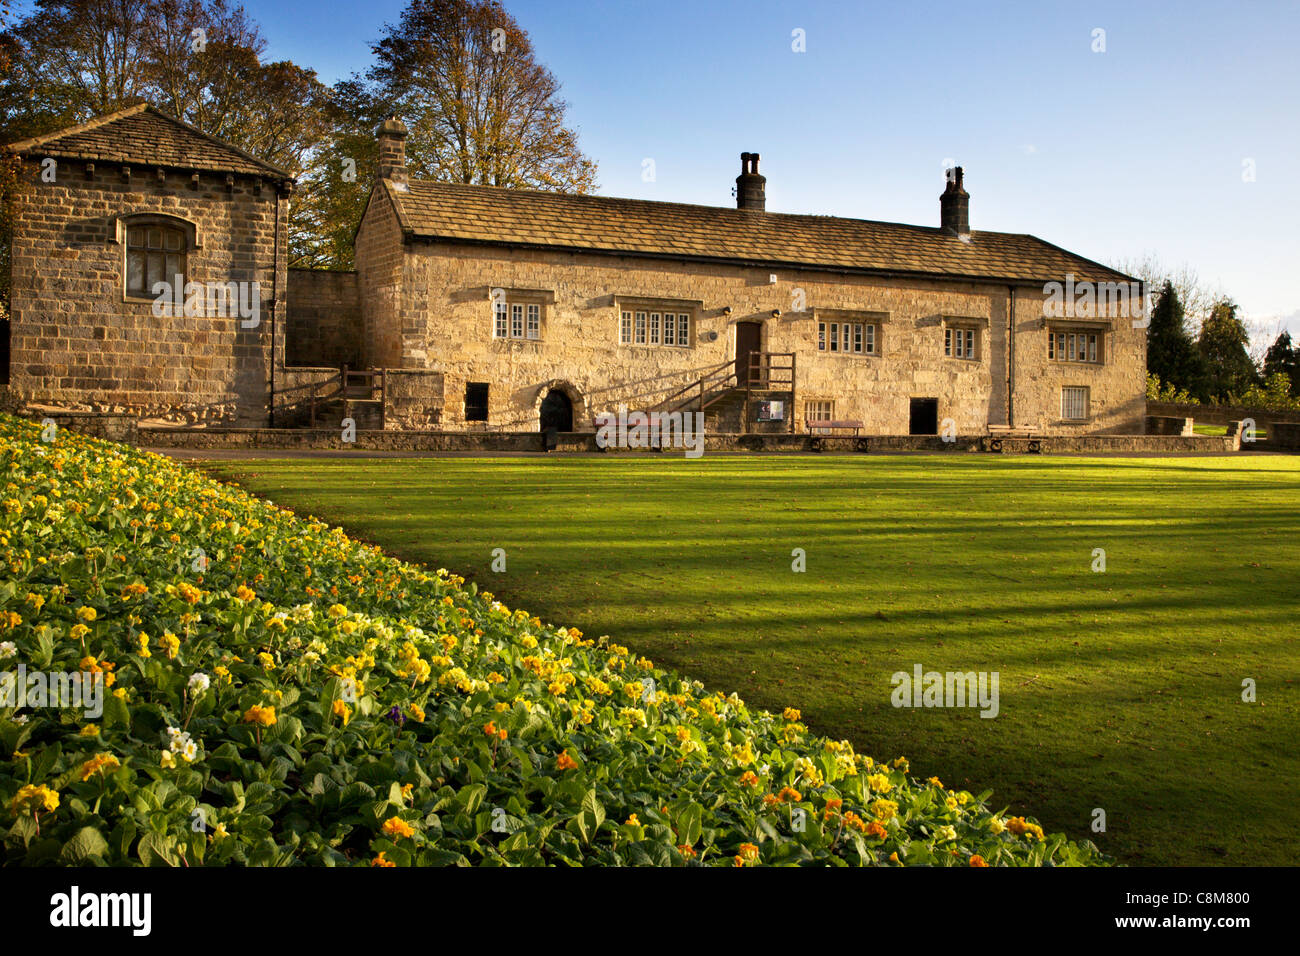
x,y
766,375
373,382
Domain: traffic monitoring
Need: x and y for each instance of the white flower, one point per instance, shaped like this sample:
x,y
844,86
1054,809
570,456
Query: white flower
x,y
199,683
7,649
20,718
191,752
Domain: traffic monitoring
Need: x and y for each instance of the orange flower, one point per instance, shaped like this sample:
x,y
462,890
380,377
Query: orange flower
x,y
258,714
688,851
397,827
749,779
977,860
565,762
381,860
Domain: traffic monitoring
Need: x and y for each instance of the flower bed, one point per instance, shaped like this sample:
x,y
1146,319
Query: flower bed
x,y
278,693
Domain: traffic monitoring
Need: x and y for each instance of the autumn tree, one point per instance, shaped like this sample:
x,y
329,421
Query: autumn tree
x,y
463,76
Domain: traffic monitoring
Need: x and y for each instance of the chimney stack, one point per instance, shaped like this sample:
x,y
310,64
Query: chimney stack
x,y
392,151
954,206
751,188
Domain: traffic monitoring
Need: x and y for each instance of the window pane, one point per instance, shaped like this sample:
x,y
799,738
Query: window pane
x,y
153,270
670,329
499,328
173,239
835,336
517,321
947,341
683,329
857,338
135,272
970,343
175,266
155,238
625,328
654,328
640,328
1092,348
534,321
871,339
135,236
821,336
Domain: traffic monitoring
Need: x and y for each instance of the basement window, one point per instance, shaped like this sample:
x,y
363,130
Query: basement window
x,y
476,401
1074,403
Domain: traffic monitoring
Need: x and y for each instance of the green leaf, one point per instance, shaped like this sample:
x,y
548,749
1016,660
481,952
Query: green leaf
x,y
86,843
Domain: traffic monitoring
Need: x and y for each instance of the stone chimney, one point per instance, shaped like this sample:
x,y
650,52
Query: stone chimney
x,y
751,188
392,151
954,206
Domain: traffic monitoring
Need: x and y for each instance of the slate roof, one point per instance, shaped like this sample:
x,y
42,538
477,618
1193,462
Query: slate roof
x,y
516,217
145,135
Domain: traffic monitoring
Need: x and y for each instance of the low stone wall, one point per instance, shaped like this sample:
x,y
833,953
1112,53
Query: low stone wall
x,y
578,442
1169,425
324,439
413,398
111,427
1218,414
1284,435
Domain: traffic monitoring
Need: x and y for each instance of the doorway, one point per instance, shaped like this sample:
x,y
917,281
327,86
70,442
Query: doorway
x,y
749,339
557,412
924,417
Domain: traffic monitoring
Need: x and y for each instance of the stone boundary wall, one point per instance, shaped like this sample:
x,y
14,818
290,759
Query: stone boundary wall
x,y
320,439
1220,414
1169,425
323,319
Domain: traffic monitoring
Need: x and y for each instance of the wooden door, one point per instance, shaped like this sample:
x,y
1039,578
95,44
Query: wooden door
x,y
749,339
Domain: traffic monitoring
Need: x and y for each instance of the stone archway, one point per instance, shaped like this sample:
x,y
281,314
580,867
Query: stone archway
x,y
559,404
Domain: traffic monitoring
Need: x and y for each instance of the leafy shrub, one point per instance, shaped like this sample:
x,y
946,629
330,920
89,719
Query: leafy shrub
x,y
282,694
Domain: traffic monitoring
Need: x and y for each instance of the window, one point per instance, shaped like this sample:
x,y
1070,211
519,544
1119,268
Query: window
x,y
1074,403
476,401
960,342
154,253
819,411
857,338
663,328
516,318
1076,346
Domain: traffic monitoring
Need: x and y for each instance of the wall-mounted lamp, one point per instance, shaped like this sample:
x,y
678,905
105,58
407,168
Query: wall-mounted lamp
x,y
727,311
776,313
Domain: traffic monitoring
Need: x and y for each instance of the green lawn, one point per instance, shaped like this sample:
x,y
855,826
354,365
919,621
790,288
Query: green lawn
x,y
1119,690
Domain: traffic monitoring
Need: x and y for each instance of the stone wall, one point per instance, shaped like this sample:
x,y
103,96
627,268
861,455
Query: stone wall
x,y
444,323
1169,425
1220,414
323,324
380,255
79,342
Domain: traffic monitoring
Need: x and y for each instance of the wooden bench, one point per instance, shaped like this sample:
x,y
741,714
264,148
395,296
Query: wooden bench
x,y
828,427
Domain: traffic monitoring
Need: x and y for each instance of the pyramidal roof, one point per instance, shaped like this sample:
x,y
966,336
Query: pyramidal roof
x,y
145,135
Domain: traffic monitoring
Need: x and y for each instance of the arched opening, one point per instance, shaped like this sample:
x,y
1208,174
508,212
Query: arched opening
x,y
557,412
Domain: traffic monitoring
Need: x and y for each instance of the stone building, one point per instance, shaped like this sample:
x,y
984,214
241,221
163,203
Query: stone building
x,y
113,208
476,307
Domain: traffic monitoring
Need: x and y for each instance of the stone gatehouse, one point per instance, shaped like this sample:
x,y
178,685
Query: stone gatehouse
x,y
477,307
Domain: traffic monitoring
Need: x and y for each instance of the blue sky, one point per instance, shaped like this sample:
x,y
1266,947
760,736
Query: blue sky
x,y
1110,154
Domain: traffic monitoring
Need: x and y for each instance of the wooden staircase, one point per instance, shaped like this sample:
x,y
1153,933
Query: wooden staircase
x,y
726,396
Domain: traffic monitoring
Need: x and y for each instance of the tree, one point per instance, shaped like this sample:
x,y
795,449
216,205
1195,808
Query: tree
x,y
1224,344
199,60
1197,297
1172,355
1283,359
462,75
